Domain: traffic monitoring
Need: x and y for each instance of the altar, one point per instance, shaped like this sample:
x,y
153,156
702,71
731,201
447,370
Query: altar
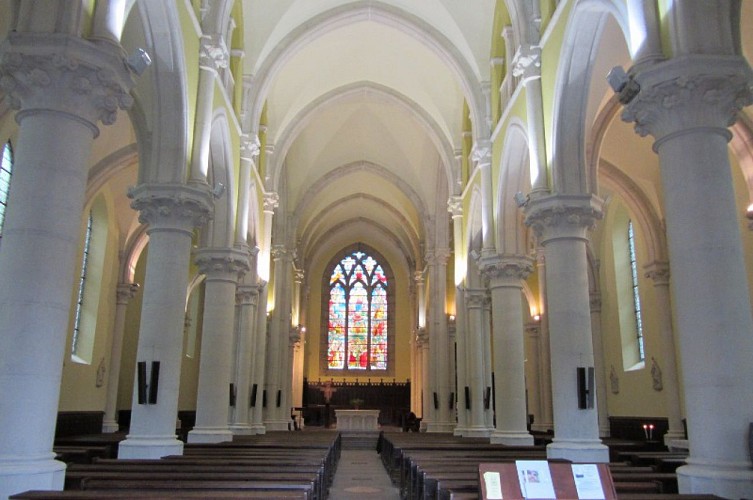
x,y
357,420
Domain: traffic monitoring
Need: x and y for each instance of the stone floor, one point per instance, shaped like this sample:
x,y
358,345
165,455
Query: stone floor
x,y
360,475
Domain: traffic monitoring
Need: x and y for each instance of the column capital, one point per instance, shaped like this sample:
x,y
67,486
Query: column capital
x,y
65,74
271,201
176,207
247,295
526,64
481,154
221,264
476,298
250,147
688,93
213,52
455,206
281,252
418,277
422,337
437,256
658,272
299,275
506,270
563,216
124,292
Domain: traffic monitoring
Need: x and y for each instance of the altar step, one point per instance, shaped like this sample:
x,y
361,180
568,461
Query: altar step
x,y
363,440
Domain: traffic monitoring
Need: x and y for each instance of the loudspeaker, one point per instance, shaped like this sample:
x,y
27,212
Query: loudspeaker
x,y
232,395
252,399
452,400
141,381
467,398
585,387
436,401
154,383
279,397
487,398
264,398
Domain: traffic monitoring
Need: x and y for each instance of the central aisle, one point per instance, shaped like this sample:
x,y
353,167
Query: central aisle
x,y
360,474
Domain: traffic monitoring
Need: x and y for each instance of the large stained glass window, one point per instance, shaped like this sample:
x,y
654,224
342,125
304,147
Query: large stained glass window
x,y
357,333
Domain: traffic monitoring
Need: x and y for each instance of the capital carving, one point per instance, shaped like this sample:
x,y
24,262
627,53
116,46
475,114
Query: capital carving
x,y
563,216
527,62
281,252
222,264
422,337
250,147
690,92
418,277
299,275
482,153
59,73
213,52
125,292
271,201
247,295
455,206
438,256
506,270
475,298
658,272
172,206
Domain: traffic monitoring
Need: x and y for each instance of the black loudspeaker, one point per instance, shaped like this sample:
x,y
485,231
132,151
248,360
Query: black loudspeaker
x,y
467,398
264,398
279,397
487,398
141,381
585,387
452,399
750,440
232,395
436,401
154,383
252,399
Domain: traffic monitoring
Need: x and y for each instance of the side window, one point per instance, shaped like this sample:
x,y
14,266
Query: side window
x,y
77,347
6,170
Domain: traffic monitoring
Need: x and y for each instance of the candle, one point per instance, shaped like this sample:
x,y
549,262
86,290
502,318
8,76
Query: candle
x,y
645,430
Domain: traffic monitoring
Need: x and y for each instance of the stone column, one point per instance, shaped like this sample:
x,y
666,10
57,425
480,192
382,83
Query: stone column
x,y
506,274
246,297
461,370
222,268
125,292
172,212
687,103
561,223
600,370
659,273
475,300
439,343
422,342
259,351
482,156
276,373
62,87
645,31
546,421
298,339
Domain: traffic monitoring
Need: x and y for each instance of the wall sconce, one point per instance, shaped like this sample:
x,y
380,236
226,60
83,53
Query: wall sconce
x,y
536,317
749,216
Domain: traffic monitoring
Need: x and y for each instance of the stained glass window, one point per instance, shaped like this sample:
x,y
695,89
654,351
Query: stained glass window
x,y
81,284
6,169
357,333
636,295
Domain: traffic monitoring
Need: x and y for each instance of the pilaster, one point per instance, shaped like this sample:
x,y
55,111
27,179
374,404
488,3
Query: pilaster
x,y
246,301
473,393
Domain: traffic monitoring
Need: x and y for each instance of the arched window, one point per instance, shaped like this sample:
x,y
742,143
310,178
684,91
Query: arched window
x,y
6,169
358,314
636,295
76,353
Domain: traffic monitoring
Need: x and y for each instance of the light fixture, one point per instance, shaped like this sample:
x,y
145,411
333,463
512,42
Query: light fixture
x,y
138,61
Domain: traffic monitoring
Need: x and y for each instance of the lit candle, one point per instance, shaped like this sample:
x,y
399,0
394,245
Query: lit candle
x,y
645,430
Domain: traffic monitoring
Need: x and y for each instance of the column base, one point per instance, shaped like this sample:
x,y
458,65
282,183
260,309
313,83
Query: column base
x,y
149,447
276,425
209,435
18,474
477,432
258,429
604,431
445,427
459,431
727,480
241,429
578,450
511,438
673,436
110,426
542,427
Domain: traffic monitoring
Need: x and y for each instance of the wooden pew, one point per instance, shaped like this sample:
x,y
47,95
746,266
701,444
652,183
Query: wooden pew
x,y
156,494
201,486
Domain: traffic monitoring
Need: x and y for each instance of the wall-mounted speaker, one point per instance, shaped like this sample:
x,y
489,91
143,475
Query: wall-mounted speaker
x,y
487,398
264,398
586,389
452,400
436,401
279,397
252,399
467,398
154,383
141,382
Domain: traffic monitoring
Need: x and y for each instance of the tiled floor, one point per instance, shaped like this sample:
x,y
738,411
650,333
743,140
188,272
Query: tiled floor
x,y
360,475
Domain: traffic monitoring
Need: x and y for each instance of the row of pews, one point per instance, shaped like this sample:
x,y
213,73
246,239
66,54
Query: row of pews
x,y
274,465
441,466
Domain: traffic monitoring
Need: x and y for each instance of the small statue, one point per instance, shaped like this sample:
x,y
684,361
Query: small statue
x,y
656,375
101,373
615,381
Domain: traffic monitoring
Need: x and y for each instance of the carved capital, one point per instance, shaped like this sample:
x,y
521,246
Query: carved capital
x,y
299,275
527,62
213,53
247,295
658,272
418,277
125,292
690,92
438,256
250,147
271,201
221,264
455,206
422,337
482,153
506,270
563,216
172,206
59,73
476,298
281,252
